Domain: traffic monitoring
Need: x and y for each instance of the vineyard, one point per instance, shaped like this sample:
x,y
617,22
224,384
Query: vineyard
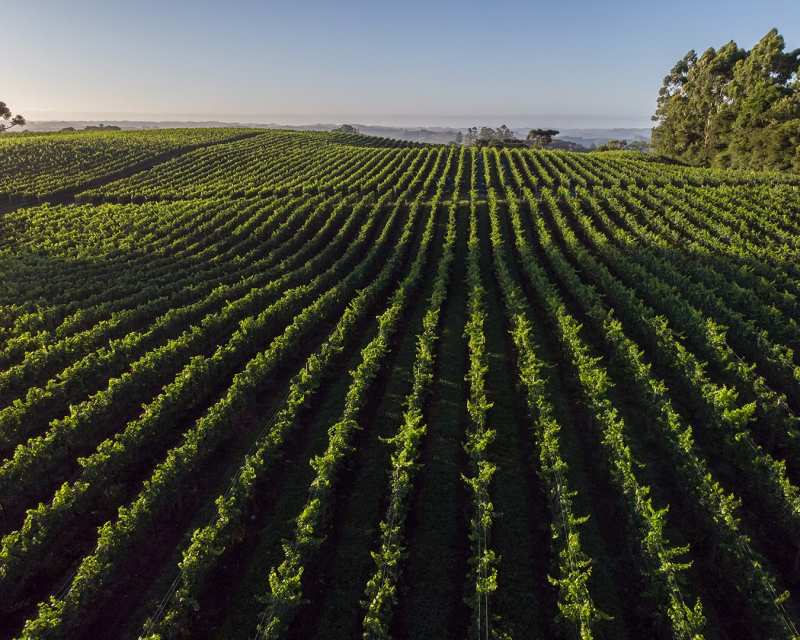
x,y
274,384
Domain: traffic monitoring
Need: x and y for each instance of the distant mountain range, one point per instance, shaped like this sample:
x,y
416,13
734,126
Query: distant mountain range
x,y
587,138
596,137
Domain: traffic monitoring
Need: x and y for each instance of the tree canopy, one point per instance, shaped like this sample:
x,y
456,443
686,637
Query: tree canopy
x,y
7,120
504,136
733,108
541,137
624,145
346,128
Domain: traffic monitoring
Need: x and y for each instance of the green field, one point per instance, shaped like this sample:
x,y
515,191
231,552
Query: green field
x,y
299,385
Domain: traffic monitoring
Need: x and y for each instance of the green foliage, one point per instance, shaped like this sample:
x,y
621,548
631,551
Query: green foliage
x,y
381,588
733,108
624,145
503,136
346,128
139,342
48,164
8,120
482,581
541,137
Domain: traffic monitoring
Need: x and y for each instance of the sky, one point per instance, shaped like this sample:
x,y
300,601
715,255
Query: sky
x,y
568,63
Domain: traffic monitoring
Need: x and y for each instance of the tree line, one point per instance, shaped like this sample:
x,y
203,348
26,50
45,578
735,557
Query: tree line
x,y
730,107
503,136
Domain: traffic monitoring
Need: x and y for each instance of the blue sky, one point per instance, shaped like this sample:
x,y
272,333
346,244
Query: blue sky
x,y
567,62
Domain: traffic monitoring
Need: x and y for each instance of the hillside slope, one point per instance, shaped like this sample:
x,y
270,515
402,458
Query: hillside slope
x,y
308,385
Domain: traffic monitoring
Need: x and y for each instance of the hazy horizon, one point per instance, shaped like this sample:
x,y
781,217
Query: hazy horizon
x,y
576,121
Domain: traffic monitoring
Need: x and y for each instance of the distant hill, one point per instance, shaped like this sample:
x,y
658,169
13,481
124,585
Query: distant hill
x,y
440,135
596,137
